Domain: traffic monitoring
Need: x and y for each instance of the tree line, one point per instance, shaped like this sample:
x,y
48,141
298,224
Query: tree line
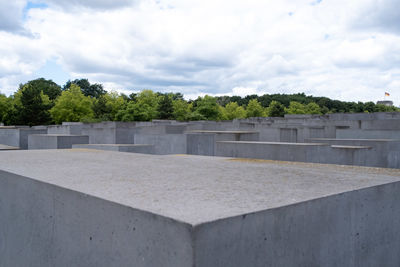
x,y
42,102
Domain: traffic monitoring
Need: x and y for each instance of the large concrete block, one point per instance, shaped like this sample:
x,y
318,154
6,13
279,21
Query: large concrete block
x,y
133,148
163,143
18,136
55,141
97,208
202,142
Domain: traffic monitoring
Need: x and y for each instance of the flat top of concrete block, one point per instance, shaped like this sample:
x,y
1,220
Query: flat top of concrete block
x,y
351,147
223,132
346,139
191,189
57,135
6,147
118,145
273,143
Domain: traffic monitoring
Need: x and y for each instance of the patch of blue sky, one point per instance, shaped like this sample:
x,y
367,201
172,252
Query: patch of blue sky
x,y
52,71
31,5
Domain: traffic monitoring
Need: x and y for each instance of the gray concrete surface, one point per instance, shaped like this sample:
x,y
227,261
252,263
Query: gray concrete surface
x,y
18,136
55,141
132,148
163,143
373,154
98,208
202,142
6,147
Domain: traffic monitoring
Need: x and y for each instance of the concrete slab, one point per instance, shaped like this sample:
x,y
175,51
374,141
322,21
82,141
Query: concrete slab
x,y
6,147
55,141
100,208
132,148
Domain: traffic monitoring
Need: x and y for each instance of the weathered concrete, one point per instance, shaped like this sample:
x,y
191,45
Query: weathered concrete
x,y
322,152
133,148
18,136
98,208
201,142
163,143
55,141
5,147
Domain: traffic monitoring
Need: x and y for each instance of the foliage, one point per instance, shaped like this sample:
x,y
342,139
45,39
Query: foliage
x,y
92,90
165,108
143,109
72,105
181,110
234,111
107,106
42,101
5,106
275,109
206,108
31,107
48,87
295,108
254,109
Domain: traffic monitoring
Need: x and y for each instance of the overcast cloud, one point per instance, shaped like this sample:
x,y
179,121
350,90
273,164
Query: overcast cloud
x,y
348,50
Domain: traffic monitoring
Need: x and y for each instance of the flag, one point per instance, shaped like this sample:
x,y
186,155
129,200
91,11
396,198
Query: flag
x,y
387,94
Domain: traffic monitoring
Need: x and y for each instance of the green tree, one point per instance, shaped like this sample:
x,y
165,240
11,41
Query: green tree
x,y
5,107
166,108
48,87
295,108
106,106
31,106
206,108
312,108
144,109
234,111
92,90
72,106
275,109
182,110
254,109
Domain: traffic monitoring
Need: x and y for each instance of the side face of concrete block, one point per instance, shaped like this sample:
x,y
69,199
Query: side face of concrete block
x,y
67,141
200,144
100,135
45,225
9,137
124,135
163,143
41,141
359,228
25,133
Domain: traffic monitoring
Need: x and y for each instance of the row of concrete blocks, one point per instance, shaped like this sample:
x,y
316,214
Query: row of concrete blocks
x,y
292,128
361,152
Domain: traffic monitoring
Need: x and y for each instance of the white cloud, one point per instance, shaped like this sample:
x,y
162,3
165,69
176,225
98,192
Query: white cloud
x,y
215,46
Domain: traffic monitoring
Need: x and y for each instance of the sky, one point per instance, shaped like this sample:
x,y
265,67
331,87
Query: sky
x,y
346,50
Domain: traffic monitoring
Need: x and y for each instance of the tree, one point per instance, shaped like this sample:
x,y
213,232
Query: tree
x,y
312,108
144,109
5,106
181,110
31,106
72,105
92,90
48,87
165,108
108,105
234,111
275,109
254,109
207,108
295,108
